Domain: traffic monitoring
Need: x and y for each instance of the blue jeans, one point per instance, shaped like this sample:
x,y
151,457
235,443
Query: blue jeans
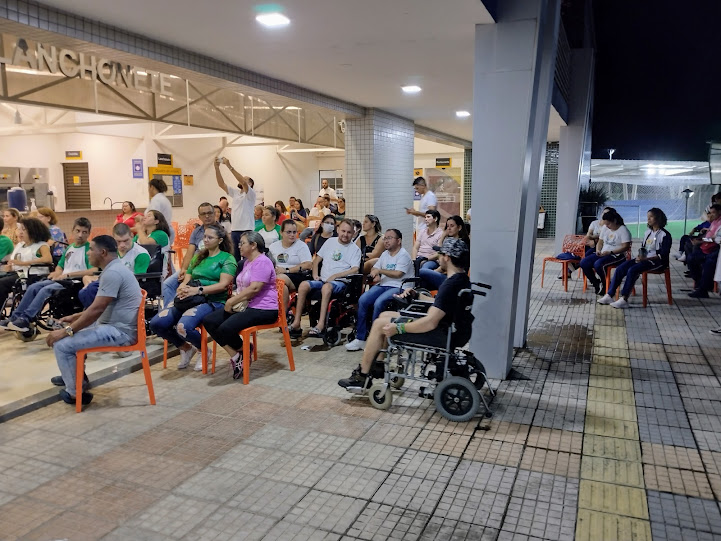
x,y
88,293
90,337
179,328
631,270
317,284
35,298
170,288
594,262
431,279
702,267
430,265
376,297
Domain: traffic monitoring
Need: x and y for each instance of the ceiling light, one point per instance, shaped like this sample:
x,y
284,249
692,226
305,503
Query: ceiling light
x,y
273,20
411,89
463,114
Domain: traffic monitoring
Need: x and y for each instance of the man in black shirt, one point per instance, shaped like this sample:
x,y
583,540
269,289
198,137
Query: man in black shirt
x,y
431,329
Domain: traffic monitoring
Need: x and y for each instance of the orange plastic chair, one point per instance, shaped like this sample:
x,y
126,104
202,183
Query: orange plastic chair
x,y
573,244
251,331
182,241
608,272
644,282
203,351
97,231
138,346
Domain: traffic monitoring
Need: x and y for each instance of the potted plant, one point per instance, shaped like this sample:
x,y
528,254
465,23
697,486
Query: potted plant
x,y
591,199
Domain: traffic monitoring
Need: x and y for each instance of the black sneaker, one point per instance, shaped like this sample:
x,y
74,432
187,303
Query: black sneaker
x,y
295,333
69,399
699,294
357,380
58,380
597,287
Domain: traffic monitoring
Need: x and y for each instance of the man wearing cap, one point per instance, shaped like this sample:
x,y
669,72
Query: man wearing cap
x,y
431,329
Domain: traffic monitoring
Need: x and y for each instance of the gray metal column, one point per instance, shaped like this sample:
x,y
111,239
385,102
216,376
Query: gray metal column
x,y
514,64
574,156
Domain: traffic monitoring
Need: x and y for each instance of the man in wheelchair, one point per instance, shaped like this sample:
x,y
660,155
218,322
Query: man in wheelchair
x,y
72,267
340,257
431,329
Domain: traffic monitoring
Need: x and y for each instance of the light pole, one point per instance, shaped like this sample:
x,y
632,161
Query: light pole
x,y
688,192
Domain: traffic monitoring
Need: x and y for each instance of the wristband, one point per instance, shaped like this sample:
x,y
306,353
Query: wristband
x,y
399,328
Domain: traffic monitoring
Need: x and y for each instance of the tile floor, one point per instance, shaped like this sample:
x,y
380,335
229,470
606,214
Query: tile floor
x,y
610,431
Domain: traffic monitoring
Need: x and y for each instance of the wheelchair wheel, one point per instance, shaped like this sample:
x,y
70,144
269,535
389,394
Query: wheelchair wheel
x,y
29,335
332,337
457,399
397,382
380,396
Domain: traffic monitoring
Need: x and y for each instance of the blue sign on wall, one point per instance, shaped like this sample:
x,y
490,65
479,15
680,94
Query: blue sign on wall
x,y
177,184
138,169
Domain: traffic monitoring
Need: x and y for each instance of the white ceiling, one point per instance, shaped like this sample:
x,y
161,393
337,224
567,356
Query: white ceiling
x,y
360,52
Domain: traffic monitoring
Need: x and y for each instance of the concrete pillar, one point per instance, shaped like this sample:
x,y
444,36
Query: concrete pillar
x,y
574,157
467,181
379,170
514,65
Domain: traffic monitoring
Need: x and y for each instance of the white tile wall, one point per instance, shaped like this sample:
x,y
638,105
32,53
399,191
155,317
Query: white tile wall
x,y
379,170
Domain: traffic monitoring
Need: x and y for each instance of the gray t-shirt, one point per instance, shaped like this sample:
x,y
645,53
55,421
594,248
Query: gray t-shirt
x,y
118,282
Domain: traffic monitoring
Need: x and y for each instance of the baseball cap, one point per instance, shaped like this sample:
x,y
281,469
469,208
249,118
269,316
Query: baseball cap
x,y
456,248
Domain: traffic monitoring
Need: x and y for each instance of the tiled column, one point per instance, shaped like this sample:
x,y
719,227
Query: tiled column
x,y
514,64
549,190
379,170
467,180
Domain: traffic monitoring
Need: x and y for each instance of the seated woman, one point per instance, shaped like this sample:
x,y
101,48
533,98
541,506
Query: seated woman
x,y
269,230
594,231
326,230
256,287
431,275
213,268
32,248
282,212
58,241
368,242
611,247
652,256
298,214
152,229
340,212
11,217
129,215
292,258
428,237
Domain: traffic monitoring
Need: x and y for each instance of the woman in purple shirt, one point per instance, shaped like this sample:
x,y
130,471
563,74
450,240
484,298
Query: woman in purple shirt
x,y
255,303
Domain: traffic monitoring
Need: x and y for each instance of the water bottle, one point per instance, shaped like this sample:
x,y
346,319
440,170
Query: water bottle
x,y
33,207
642,252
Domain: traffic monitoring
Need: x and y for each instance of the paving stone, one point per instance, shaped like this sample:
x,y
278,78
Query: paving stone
x,y
379,521
441,442
475,506
442,529
613,499
684,512
228,523
708,441
329,512
170,515
672,457
690,483
658,401
258,495
299,470
494,452
554,462
488,477
410,492
615,448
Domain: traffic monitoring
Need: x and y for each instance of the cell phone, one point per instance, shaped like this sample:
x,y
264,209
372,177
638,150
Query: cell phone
x,y
219,159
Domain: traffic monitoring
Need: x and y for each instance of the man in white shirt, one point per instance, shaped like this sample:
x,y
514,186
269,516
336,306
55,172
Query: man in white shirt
x,y
340,257
393,266
242,218
428,202
157,188
325,190
316,215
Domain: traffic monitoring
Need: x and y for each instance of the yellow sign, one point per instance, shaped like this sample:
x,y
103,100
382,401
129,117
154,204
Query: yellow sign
x,y
188,180
164,170
76,181
73,154
417,172
442,163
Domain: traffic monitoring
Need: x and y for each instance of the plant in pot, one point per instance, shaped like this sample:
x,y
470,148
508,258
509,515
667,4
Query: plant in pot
x,y
591,199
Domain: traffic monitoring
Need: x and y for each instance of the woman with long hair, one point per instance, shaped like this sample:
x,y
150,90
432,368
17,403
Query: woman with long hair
x,y
58,241
613,242
326,230
455,229
368,242
292,259
257,294
152,229
11,217
211,270
281,209
129,215
269,229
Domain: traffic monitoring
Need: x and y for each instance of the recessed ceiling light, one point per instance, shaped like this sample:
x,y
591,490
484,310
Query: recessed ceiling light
x,y
411,89
273,20
463,114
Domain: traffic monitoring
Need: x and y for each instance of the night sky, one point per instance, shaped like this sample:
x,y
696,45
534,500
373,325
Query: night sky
x,y
658,78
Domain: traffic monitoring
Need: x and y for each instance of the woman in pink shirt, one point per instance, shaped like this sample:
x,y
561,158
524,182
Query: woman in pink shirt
x,y
255,303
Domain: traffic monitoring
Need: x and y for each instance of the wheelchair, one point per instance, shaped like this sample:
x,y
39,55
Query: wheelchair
x,y
18,290
342,310
453,377
152,282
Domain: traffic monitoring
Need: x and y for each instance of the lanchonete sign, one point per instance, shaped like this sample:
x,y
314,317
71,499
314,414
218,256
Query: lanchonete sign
x,y
73,64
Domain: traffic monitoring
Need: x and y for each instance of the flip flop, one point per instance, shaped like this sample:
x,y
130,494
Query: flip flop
x,y
316,333
295,333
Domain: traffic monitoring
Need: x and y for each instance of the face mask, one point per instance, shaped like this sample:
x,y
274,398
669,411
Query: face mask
x,y
328,228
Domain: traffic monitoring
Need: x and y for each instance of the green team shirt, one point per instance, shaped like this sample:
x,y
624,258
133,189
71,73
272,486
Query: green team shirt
x,y
142,262
160,238
72,260
6,246
209,270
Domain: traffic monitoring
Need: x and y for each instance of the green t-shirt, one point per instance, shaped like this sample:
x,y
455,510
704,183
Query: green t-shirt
x,y
6,246
160,237
75,258
210,269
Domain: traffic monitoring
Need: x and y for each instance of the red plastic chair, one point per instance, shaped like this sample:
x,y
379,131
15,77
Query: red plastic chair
x,y
574,244
251,331
644,281
138,346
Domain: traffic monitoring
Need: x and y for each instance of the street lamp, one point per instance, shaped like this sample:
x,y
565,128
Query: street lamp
x,y
688,192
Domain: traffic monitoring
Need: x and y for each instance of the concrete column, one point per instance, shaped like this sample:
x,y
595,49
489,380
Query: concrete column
x,y
514,64
379,170
574,157
467,181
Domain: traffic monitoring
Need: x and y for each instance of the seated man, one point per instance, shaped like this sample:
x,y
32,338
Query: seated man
x,y
431,329
112,319
73,264
206,213
340,257
130,253
393,266
316,215
702,261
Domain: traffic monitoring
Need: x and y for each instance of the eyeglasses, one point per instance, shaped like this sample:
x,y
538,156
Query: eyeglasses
x,y
209,213
208,239
389,238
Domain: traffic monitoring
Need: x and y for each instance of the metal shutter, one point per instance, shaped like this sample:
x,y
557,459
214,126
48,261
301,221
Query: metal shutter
x,y
77,196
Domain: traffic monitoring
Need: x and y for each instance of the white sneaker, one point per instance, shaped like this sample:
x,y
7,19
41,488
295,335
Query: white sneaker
x,y
606,299
186,357
199,362
356,345
620,303
682,258
678,254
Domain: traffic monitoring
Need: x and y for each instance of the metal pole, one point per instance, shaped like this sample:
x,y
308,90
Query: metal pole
x,y
685,216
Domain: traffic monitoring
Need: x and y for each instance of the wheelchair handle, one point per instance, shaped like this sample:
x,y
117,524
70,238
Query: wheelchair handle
x,y
481,284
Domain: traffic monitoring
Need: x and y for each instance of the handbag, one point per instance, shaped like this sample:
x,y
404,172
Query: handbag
x,y
183,305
